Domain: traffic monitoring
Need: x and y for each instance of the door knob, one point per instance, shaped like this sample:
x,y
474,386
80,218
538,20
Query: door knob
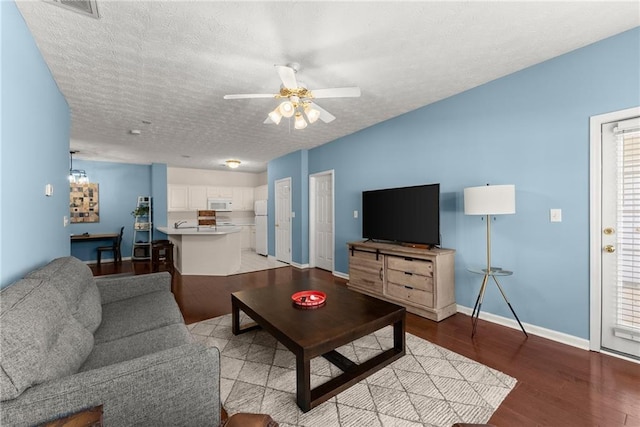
x,y
610,248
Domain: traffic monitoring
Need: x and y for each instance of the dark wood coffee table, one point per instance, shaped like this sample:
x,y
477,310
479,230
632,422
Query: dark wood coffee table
x,y
312,332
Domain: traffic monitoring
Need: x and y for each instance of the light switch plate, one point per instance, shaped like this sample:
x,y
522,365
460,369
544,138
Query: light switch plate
x,y
355,214
555,215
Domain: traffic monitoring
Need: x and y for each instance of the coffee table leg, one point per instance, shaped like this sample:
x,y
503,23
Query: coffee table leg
x,y
303,383
398,335
235,317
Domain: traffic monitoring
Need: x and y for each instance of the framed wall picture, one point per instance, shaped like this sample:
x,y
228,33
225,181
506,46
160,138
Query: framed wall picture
x,y
83,203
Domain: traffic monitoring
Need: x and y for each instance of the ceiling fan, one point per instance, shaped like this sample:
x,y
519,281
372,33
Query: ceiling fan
x,y
297,100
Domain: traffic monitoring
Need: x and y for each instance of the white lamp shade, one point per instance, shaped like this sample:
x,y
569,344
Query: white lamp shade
x,y
490,200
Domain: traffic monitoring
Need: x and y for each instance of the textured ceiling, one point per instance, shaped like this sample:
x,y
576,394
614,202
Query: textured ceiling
x,y
170,63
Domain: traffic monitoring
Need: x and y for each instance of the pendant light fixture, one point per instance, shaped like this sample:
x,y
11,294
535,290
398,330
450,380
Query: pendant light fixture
x,y
76,176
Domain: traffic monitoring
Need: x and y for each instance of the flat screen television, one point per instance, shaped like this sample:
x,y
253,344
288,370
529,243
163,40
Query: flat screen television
x,y
403,215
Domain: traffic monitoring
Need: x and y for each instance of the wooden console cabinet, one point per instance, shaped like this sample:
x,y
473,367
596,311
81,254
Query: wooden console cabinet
x,y
421,280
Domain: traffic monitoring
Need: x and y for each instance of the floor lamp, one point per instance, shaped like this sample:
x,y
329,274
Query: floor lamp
x,y
490,200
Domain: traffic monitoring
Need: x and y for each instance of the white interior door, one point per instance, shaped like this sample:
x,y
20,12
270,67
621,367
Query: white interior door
x,y
283,220
321,221
620,237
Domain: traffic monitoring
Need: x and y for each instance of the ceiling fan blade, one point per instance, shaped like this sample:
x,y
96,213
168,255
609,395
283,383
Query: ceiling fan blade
x,y
325,116
336,92
288,76
268,121
250,95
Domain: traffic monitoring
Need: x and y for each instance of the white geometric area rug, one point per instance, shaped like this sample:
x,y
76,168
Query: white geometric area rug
x,y
429,386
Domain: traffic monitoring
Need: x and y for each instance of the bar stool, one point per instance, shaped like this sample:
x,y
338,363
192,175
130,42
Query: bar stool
x,y
161,254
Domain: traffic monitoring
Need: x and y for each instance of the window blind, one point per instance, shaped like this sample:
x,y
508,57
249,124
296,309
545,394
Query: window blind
x,y
628,230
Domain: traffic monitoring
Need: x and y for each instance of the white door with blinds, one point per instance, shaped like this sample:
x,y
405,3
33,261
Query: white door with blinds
x,y
620,237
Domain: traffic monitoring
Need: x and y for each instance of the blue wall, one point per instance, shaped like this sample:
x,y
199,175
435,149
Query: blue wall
x,y
34,152
530,129
119,186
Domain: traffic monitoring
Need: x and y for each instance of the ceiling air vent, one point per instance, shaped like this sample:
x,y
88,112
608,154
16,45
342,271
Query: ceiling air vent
x,y
85,7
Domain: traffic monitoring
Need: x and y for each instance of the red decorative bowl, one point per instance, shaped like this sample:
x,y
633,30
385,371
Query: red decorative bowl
x,y
309,298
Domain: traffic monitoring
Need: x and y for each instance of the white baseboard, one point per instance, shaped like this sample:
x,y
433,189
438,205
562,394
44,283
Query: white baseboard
x,y
531,329
300,266
341,275
94,261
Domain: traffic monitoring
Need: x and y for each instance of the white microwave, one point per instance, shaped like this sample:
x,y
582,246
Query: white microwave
x,y
219,205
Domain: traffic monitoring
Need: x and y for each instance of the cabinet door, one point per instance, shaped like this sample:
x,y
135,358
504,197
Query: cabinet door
x,y
197,197
261,193
366,271
245,236
178,198
237,199
247,198
252,238
219,192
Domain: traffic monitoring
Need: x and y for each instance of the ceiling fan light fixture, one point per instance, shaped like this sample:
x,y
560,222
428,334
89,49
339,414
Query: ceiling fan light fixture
x,y
287,109
232,163
312,114
300,122
275,116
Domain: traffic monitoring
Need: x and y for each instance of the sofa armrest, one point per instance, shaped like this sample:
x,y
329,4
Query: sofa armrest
x,y
178,387
120,288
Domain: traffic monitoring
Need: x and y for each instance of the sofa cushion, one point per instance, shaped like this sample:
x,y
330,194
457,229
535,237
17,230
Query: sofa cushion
x,y
74,280
138,345
132,316
39,339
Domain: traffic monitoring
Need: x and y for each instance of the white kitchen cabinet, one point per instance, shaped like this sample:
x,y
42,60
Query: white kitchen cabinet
x,y
197,197
247,198
252,238
242,198
220,192
245,236
178,197
261,192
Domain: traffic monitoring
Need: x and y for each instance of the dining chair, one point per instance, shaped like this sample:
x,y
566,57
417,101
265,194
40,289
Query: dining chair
x,y
115,248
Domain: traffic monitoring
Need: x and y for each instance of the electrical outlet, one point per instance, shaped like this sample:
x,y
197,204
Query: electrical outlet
x,y
555,215
65,221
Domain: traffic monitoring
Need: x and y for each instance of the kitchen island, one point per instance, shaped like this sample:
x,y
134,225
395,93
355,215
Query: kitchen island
x,y
206,251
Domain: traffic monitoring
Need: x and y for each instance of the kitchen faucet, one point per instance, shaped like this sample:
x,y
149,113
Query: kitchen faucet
x,y
178,224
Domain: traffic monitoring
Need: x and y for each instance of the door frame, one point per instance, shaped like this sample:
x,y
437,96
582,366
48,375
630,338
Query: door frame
x,y
275,219
595,220
312,205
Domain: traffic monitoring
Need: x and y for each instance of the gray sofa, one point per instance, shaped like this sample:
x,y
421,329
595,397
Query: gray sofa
x,y
69,342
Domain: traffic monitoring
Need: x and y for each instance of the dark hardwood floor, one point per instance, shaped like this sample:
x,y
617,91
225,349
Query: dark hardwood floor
x,y
558,385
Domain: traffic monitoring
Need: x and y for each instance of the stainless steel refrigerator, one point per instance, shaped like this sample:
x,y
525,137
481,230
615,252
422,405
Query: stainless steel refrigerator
x,y
260,209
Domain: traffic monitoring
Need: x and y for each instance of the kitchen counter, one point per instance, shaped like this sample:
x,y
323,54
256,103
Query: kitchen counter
x,y
220,229
206,251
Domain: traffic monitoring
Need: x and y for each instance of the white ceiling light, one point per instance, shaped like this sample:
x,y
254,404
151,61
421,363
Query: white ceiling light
x,y
275,116
286,109
312,113
232,163
300,122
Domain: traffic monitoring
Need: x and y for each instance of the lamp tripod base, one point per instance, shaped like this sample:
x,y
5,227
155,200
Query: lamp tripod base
x,y
476,308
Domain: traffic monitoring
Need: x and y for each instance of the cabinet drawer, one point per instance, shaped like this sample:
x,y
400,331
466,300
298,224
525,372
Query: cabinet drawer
x,y
415,266
417,281
365,279
409,294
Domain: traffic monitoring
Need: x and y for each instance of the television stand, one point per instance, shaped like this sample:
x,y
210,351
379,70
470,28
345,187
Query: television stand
x,y
417,245
420,279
